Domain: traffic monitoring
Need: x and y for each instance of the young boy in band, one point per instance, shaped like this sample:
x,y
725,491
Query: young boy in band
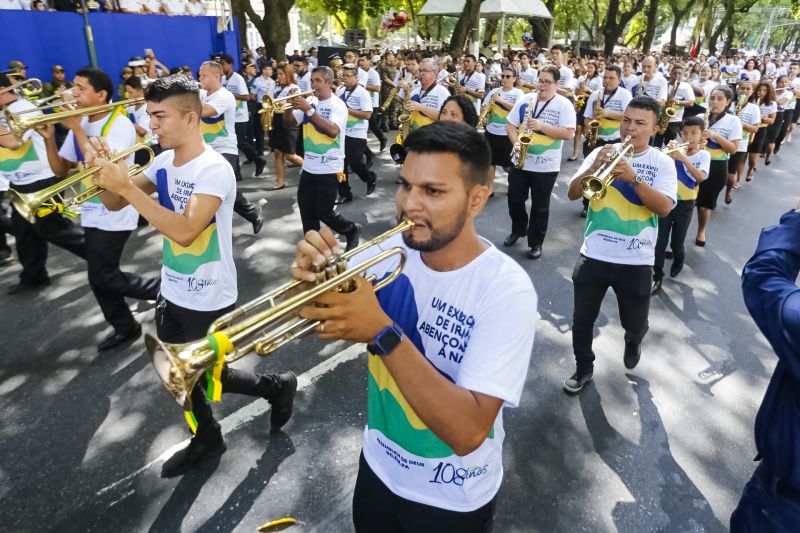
x,y
196,190
692,168
619,242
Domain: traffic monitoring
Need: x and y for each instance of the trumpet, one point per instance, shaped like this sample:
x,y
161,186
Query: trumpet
x,y
54,199
34,89
595,186
270,106
17,125
675,147
268,322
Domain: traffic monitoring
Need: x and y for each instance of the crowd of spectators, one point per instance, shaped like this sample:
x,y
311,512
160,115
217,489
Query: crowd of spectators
x,y
139,7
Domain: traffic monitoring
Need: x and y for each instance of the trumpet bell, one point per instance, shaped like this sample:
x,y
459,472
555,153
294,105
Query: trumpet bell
x,y
670,111
593,188
170,365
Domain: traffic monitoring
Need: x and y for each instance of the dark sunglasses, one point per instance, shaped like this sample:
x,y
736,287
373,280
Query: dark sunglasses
x,y
508,76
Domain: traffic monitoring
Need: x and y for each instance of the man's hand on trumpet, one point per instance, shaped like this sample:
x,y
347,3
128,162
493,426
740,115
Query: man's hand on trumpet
x,y
112,177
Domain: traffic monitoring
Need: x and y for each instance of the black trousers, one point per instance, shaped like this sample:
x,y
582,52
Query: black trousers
x,y
5,229
540,185
176,324
316,195
256,128
32,239
376,509
244,143
355,159
676,224
788,114
375,124
109,284
669,135
241,206
591,279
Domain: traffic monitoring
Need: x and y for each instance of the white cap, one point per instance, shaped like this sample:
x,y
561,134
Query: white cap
x,y
498,56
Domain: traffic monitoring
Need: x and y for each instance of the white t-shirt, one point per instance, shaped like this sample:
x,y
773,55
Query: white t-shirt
x,y
496,122
476,326
28,163
12,4
654,88
196,9
237,86
323,154
262,86
619,228
531,75
360,100
752,75
783,96
629,82
131,5
730,128
615,103
474,82
751,116
567,77
175,7
544,153
304,82
140,118
117,129
592,84
153,5
687,185
373,78
433,98
685,93
201,276
219,131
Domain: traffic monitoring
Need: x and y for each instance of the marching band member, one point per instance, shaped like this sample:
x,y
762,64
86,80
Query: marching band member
x,y
373,87
440,414
196,189
106,232
565,73
527,74
427,98
750,117
234,83
283,138
219,131
618,246
684,98
501,101
552,121
629,78
260,86
651,83
25,165
782,97
472,83
794,83
722,134
585,85
302,77
692,168
459,108
140,118
764,97
324,121
359,110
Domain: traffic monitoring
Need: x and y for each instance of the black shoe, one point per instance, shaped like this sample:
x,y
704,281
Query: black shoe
x,y
676,269
584,212
577,381
511,240
283,400
668,254
343,200
535,252
655,287
371,186
258,223
260,164
632,354
20,287
383,144
115,339
201,447
352,238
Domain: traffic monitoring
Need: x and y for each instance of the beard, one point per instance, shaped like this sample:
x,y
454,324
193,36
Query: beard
x,y
440,236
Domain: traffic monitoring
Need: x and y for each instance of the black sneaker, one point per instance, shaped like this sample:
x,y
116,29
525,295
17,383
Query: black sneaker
x,y
201,447
258,222
343,200
283,400
676,269
260,164
20,287
352,238
115,339
633,352
372,184
655,288
577,381
511,240
535,252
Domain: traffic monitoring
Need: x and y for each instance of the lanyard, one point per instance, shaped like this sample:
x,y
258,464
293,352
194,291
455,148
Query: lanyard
x,y
345,95
536,115
608,98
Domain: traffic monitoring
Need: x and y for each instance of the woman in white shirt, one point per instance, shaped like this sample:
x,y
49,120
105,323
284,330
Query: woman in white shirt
x,y
586,84
283,139
764,98
750,71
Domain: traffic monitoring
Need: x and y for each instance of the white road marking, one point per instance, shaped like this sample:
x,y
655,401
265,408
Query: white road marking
x,y
249,412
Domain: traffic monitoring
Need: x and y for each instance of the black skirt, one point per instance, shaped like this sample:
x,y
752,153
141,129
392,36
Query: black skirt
x,y
710,187
775,128
282,138
501,149
757,146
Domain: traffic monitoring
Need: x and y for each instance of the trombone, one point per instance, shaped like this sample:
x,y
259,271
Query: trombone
x,y
595,186
34,89
268,322
54,199
270,106
17,125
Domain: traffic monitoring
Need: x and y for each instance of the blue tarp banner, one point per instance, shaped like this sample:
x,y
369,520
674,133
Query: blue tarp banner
x,y
43,39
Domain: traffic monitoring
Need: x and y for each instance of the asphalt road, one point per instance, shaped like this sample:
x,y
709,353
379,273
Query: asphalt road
x,y
666,447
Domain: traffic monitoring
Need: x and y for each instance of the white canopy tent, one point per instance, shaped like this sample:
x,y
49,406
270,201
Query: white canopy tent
x,y
490,9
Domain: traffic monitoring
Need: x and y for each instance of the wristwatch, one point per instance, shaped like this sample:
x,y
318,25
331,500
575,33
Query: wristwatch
x,y
638,180
386,341
310,112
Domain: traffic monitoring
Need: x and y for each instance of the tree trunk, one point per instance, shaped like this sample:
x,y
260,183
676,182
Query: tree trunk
x,y
678,15
238,11
728,40
540,31
273,26
490,30
650,27
469,19
615,23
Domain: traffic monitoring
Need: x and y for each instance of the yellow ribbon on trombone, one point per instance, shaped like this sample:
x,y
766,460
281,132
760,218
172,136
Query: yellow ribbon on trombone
x,y
55,207
222,346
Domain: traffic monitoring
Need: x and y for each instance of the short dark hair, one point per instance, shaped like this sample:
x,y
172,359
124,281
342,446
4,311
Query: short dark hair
x,y
134,82
553,70
98,79
301,59
697,120
4,80
467,109
456,138
412,57
471,56
557,47
179,86
614,68
226,58
725,89
647,103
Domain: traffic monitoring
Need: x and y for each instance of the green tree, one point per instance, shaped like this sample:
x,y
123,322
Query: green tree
x,y
273,26
680,9
619,13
